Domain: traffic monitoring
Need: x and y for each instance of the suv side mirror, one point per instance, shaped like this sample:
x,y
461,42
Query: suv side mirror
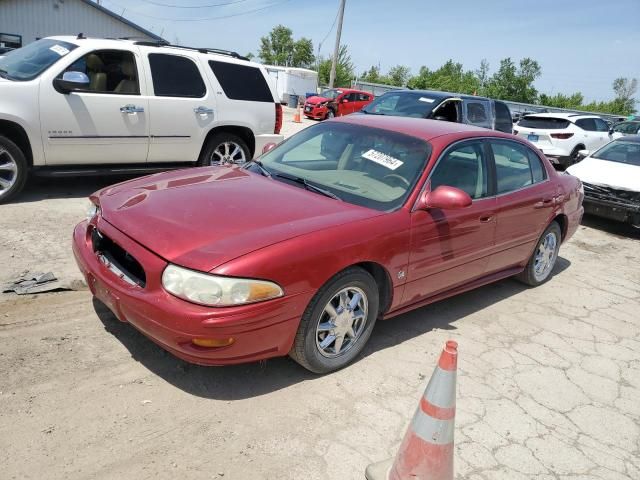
x,y
445,198
611,131
71,82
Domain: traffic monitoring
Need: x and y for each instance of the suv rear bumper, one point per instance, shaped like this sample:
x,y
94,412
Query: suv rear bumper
x,y
262,140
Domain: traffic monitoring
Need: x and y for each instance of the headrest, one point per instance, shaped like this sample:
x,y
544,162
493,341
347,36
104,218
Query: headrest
x,y
94,62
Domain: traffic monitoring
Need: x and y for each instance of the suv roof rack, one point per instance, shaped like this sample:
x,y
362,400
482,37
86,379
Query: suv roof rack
x,y
217,51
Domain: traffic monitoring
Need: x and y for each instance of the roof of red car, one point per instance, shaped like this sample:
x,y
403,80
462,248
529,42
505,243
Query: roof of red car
x,y
417,127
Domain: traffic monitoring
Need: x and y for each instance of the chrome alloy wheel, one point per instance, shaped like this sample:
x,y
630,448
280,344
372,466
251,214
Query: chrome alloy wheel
x,y
227,153
8,171
342,322
545,256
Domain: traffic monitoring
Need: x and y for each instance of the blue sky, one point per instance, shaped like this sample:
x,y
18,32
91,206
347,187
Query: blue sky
x,y
582,45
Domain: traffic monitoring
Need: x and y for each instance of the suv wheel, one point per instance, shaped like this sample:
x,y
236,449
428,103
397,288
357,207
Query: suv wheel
x,y
337,323
224,149
13,169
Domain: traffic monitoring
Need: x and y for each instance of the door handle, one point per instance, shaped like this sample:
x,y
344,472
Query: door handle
x,y
486,218
131,109
203,110
545,202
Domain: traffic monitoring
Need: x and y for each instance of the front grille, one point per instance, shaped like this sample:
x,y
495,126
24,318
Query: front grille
x,y
118,260
608,194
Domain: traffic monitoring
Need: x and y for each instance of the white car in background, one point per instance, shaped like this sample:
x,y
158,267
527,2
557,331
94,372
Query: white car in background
x,y
561,136
611,180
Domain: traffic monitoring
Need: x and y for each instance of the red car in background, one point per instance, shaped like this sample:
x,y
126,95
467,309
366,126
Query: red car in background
x,y
336,102
301,251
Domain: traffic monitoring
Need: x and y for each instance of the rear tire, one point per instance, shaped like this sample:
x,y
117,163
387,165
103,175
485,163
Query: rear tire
x,y
13,170
544,257
224,149
338,322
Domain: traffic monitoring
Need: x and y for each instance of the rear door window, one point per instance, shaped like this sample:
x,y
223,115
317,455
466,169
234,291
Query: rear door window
x,y
588,124
517,166
476,112
241,82
176,76
544,123
504,122
601,125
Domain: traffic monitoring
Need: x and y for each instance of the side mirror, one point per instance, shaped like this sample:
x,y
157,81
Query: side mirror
x,y
445,198
583,153
345,100
611,131
71,82
268,147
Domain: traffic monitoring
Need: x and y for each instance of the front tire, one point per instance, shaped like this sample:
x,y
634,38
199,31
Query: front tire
x,y
13,170
544,257
338,322
224,149
330,114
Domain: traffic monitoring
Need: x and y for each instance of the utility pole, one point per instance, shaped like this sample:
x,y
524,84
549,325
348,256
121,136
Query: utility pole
x,y
336,50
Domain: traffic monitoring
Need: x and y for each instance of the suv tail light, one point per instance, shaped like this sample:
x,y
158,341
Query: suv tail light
x,y
561,136
278,126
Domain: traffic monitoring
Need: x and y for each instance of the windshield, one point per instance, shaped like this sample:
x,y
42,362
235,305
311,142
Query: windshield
x,y
28,62
620,151
365,166
331,94
402,104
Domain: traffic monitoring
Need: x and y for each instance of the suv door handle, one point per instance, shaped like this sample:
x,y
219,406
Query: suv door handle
x,y
545,202
203,111
486,218
131,109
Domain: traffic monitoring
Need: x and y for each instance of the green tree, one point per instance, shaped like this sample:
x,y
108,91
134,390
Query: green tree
x,y
372,75
625,89
279,48
344,69
573,101
398,75
450,77
515,83
482,74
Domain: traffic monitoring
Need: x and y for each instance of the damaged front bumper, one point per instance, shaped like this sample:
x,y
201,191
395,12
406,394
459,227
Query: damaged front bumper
x,y
619,205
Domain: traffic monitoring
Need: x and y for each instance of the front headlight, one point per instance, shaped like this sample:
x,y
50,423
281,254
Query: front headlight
x,y
213,290
92,211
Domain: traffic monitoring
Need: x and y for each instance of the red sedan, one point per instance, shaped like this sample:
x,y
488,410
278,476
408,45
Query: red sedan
x,y
300,252
336,102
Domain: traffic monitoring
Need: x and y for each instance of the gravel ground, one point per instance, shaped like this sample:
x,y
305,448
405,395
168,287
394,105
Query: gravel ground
x,y
548,385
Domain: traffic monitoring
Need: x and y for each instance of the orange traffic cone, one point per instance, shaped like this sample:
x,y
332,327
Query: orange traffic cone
x,y
296,117
426,453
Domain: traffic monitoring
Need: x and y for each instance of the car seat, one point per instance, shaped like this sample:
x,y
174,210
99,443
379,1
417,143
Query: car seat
x,y
128,84
97,77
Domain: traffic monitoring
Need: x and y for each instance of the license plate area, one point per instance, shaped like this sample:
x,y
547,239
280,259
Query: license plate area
x,y
533,138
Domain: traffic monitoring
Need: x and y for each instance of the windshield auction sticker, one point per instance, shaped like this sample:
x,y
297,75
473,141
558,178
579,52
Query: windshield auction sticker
x,y
59,49
382,159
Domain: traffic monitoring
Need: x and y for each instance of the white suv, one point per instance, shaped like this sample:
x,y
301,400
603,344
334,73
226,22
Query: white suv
x,y
561,136
73,105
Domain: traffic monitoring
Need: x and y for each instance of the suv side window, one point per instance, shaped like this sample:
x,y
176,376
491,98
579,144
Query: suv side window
x,y
477,113
241,82
175,76
587,124
463,166
516,166
504,121
109,71
601,125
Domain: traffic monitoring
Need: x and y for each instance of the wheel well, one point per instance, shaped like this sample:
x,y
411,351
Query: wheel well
x,y
561,220
580,146
17,135
243,132
383,281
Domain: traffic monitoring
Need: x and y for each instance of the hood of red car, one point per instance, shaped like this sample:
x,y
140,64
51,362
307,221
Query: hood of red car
x,y
317,99
202,218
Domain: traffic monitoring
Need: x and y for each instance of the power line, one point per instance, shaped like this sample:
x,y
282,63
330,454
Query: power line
x,y
203,18
193,6
330,30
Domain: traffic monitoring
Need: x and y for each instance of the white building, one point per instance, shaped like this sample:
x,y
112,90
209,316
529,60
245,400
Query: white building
x,y
24,21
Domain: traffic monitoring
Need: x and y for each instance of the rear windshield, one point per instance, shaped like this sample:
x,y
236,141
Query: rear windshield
x,y
620,151
544,122
402,104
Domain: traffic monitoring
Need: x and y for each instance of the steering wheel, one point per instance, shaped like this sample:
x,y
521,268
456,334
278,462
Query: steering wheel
x,y
397,177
